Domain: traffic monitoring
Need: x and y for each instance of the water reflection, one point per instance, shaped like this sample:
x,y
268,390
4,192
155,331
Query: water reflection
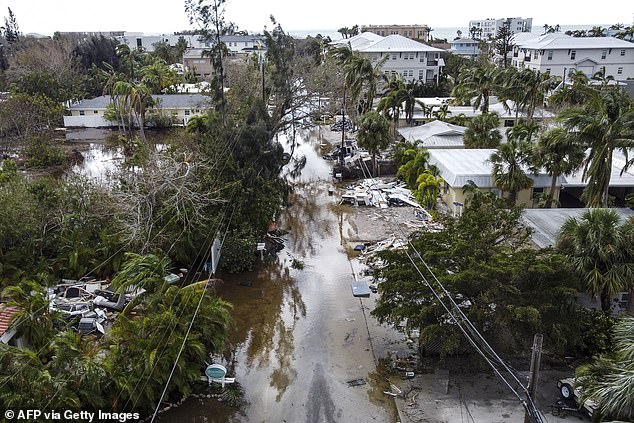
x,y
266,313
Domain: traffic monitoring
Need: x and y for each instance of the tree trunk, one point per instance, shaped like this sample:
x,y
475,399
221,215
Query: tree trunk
x,y
606,187
630,302
551,194
606,303
513,197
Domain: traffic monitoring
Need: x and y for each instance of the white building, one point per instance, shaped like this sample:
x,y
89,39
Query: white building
x,y
405,57
559,54
488,28
89,113
435,134
465,47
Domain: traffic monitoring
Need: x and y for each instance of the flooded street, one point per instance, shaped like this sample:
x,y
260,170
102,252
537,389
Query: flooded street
x,y
299,334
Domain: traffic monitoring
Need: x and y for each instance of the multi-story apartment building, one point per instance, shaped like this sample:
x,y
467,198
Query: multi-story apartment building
x,y
416,32
489,28
559,54
401,56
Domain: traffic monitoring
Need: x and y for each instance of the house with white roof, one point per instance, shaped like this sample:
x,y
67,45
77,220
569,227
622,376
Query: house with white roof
x,y
458,167
402,56
465,47
90,113
435,134
560,54
505,110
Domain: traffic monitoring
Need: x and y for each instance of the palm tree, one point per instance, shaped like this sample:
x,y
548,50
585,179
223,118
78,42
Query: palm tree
x,y
597,31
600,251
417,162
391,104
509,164
609,379
374,135
482,131
133,98
427,189
527,89
604,124
478,82
558,154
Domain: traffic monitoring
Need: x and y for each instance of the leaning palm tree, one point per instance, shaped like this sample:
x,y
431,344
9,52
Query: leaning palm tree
x,y
609,378
478,83
509,165
135,99
605,123
558,154
601,252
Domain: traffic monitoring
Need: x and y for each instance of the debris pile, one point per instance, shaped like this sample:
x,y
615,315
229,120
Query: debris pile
x,y
89,305
342,124
374,193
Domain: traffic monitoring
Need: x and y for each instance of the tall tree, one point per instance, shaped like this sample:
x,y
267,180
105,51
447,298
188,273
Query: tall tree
x,y
558,153
504,42
478,82
209,16
510,163
605,123
600,250
482,131
374,135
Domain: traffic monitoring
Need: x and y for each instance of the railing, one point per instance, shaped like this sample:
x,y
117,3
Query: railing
x,y
432,63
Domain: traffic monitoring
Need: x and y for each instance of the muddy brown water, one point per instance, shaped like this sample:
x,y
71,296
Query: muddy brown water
x,y
300,335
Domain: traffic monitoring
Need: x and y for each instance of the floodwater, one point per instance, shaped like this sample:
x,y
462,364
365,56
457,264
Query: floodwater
x,y
300,335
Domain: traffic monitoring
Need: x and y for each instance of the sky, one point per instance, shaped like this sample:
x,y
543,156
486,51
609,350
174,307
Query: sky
x,y
167,16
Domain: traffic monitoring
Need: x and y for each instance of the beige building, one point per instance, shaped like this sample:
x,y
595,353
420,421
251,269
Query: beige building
x,y
415,32
458,167
193,60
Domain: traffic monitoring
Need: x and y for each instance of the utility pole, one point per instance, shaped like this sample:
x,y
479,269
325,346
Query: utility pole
x,y
533,377
343,126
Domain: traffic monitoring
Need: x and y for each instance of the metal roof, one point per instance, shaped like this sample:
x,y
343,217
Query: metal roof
x,y
435,134
358,41
397,43
547,222
616,178
459,166
563,41
167,101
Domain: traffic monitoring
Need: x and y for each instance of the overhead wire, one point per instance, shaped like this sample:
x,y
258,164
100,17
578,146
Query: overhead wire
x,y
527,404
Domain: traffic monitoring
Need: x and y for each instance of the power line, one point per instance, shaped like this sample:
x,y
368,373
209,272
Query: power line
x,y
530,406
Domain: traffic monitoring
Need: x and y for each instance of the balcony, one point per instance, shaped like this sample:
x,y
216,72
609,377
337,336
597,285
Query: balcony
x,y
432,63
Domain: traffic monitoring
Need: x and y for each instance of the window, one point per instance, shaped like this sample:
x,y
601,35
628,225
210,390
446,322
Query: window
x,y
446,188
550,55
421,74
604,53
537,192
411,72
619,71
82,113
547,70
95,112
186,112
508,123
573,54
393,56
623,52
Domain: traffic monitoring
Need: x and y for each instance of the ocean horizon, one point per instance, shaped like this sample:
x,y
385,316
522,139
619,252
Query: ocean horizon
x,y
448,33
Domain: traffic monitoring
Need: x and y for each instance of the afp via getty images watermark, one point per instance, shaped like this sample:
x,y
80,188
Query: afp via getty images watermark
x,y
69,415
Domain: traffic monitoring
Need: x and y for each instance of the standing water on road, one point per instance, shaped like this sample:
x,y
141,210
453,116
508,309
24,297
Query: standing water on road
x,y
299,335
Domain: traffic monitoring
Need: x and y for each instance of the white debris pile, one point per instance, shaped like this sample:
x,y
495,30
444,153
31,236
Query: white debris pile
x,y
375,193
